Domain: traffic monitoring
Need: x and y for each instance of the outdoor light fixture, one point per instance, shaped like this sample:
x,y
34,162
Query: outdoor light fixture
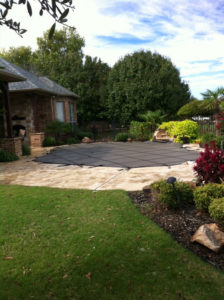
x,y
172,180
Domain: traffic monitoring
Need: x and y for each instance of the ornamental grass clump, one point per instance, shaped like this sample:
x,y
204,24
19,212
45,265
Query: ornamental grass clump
x,y
210,165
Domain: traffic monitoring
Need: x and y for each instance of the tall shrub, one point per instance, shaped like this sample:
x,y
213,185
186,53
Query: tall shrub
x,y
58,128
140,130
181,129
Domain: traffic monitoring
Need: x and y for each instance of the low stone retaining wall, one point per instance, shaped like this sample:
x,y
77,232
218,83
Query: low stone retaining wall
x,y
13,145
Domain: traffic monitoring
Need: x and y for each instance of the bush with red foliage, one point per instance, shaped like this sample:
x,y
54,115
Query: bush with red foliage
x,y
220,122
210,165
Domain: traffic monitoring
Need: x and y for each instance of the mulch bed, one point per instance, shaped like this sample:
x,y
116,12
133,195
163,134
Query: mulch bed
x,y
181,224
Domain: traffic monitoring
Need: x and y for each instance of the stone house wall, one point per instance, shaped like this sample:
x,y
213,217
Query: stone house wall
x,y
34,112
22,112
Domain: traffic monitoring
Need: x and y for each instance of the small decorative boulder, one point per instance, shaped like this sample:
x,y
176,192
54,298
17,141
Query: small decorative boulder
x,y
210,236
129,140
87,140
161,135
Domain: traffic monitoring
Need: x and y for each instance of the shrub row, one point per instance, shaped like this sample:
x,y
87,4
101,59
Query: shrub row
x,y
209,198
61,133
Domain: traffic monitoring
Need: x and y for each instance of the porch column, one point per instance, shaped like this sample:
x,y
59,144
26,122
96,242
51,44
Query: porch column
x,y
5,90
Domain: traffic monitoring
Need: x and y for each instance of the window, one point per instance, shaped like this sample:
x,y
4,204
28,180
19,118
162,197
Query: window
x,y
71,112
60,113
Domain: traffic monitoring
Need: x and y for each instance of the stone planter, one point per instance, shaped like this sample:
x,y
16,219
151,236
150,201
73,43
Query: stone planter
x,y
36,139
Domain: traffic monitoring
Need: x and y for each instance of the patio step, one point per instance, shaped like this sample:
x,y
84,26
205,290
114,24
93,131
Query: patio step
x,y
161,135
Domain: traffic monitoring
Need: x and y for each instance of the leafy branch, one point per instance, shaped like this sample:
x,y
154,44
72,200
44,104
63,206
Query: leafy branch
x,y
57,9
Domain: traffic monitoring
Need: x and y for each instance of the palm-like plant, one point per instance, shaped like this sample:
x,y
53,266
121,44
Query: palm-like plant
x,y
155,118
212,100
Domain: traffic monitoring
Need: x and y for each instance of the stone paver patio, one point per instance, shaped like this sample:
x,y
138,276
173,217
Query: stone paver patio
x,y
28,172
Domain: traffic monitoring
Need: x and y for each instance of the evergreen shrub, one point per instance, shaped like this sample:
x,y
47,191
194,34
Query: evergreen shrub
x,y
166,193
26,150
216,210
49,141
122,136
207,138
140,130
204,195
71,140
6,156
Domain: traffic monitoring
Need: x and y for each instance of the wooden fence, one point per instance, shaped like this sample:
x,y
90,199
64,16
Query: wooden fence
x,y
206,125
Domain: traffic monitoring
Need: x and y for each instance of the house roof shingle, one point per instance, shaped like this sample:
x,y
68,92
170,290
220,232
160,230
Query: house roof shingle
x,y
7,76
32,82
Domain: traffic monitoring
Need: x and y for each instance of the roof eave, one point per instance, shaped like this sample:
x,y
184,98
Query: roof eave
x,y
10,77
42,92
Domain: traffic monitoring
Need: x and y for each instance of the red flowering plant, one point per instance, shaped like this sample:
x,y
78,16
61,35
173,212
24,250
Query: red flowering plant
x,y
210,165
220,122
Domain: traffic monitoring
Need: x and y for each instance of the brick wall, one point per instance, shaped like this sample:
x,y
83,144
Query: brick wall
x,y
34,112
13,145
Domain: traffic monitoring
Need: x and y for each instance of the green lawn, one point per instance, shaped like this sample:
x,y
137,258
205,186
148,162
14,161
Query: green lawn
x,y
78,244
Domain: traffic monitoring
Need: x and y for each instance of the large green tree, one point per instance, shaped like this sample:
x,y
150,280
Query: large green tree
x,y
60,58
20,56
195,108
92,90
144,81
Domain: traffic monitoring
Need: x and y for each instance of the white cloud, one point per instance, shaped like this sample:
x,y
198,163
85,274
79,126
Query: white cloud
x,y
185,31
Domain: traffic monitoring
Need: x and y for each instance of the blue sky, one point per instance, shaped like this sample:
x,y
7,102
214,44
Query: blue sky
x,y
189,32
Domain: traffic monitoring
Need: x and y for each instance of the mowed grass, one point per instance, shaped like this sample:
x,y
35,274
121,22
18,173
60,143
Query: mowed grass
x,y
77,244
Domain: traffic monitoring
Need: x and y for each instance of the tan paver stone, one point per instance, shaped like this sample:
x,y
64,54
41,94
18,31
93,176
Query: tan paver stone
x,y
27,172
136,178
